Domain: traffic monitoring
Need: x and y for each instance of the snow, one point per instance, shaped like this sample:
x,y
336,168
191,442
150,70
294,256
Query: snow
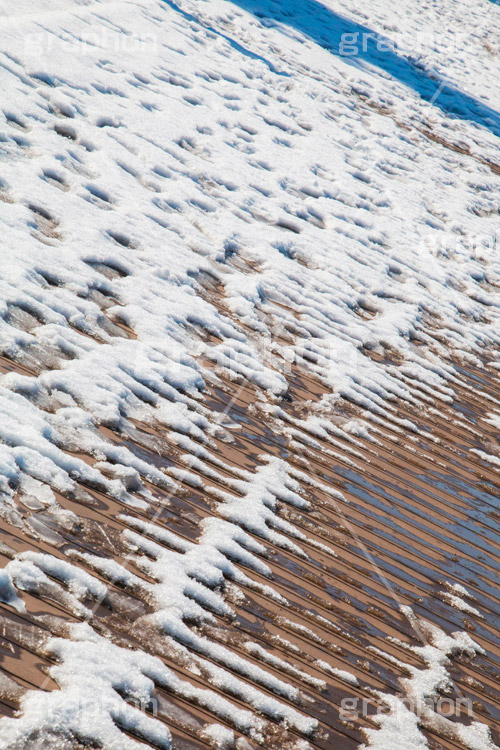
x,y
337,191
219,736
400,723
340,673
259,651
8,593
456,596
255,508
414,709
90,671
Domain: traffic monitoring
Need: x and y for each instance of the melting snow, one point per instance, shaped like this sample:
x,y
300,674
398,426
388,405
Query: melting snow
x,y
334,191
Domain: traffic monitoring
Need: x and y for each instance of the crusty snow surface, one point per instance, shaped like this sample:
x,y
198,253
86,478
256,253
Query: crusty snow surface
x,y
334,163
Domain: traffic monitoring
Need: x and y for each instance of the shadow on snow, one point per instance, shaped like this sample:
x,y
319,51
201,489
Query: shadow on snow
x,y
360,46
